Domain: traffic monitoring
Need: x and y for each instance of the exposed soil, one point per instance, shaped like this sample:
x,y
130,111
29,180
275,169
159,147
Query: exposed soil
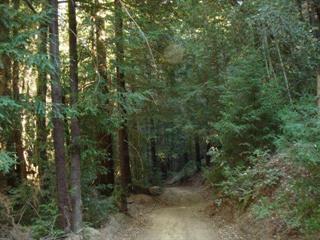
x,y
180,213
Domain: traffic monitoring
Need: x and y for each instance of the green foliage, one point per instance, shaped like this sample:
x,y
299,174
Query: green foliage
x,y
44,225
300,133
277,60
97,210
7,160
263,209
299,142
23,25
215,174
247,184
250,103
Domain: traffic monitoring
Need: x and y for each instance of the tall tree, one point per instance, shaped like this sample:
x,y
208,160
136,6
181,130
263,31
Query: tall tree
x,y
17,135
5,65
316,16
123,147
57,120
41,84
105,138
76,216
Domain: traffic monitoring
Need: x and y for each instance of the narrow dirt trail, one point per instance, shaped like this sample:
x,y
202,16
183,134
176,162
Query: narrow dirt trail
x,y
180,215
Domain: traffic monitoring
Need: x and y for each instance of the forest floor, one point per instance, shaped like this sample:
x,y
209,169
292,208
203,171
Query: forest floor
x,y
180,213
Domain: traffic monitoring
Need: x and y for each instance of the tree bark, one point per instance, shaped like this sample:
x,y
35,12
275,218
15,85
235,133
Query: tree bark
x,y
153,150
318,87
41,131
58,123
299,5
317,34
314,19
123,144
5,65
198,153
185,158
17,134
208,158
76,215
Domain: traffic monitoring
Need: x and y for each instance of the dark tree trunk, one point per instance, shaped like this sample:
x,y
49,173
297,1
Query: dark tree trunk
x,y
123,131
76,215
5,67
208,158
317,10
185,158
17,135
124,157
153,154
314,16
107,177
105,140
198,153
4,79
41,131
58,123
299,4
154,159
67,134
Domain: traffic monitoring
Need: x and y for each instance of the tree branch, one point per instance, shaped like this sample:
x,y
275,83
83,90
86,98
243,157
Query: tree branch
x,y
30,6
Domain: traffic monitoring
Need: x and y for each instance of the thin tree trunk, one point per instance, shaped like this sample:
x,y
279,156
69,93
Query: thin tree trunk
x,y
124,165
58,123
67,134
107,177
208,158
4,79
17,135
286,80
123,131
41,131
106,138
198,153
76,215
154,154
317,22
314,19
5,65
318,87
21,167
185,158
153,150
299,5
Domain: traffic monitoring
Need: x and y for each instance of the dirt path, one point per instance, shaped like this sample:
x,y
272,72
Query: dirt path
x,y
178,223
179,214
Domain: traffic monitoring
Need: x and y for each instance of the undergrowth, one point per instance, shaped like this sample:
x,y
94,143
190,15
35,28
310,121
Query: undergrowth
x,y
284,183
